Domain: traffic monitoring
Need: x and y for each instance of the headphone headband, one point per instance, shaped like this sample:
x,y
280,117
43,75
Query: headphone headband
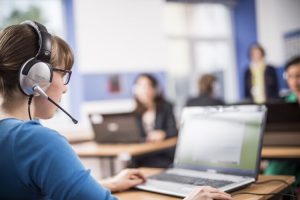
x,y
44,40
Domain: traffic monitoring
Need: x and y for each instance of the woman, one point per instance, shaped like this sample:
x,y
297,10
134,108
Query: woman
x,y
155,118
261,83
36,162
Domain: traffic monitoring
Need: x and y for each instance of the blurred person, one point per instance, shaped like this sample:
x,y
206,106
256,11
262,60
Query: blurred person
x,y
279,167
292,77
155,118
37,162
206,86
261,83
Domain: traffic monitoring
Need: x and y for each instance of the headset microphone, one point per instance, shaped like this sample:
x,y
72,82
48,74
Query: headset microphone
x,y
40,91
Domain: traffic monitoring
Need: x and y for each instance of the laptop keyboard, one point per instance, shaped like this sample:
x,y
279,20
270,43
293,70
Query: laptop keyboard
x,y
190,180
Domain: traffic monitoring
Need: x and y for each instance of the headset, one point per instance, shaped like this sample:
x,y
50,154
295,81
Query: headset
x,y
36,73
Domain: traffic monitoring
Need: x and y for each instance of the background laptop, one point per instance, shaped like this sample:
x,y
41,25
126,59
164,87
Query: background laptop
x,y
217,146
282,125
115,128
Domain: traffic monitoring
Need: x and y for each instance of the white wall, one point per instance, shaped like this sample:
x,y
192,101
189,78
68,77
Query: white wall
x,y
114,36
274,19
119,35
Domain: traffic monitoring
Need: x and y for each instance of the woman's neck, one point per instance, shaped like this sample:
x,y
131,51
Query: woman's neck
x,y
258,62
18,110
150,106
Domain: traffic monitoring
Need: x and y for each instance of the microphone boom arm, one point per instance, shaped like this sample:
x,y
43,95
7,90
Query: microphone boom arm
x,y
39,90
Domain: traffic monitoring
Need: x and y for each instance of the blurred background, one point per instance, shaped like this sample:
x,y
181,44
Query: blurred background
x,y
176,40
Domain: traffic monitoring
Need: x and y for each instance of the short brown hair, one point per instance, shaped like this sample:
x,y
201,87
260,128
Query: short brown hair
x,y
256,46
18,43
206,83
293,61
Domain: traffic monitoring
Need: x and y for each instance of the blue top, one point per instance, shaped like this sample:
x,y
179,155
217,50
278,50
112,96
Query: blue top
x,y
38,163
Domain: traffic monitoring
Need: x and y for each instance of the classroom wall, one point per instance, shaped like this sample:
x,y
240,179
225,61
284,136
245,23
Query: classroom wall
x,y
119,35
267,22
109,39
244,20
75,88
99,87
104,32
112,39
275,19
129,50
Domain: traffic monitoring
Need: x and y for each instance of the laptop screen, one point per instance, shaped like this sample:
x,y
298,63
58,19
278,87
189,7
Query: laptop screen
x,y
222,139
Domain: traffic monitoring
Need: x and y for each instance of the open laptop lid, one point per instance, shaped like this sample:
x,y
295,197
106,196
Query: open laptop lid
x,y
116,128
221,139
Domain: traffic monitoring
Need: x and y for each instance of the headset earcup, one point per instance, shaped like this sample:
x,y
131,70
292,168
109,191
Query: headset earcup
x,y
34,72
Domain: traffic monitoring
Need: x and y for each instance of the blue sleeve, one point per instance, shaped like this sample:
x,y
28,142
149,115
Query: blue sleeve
x,y
46,163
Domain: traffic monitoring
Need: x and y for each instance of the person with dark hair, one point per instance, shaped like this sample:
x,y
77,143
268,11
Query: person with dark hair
x,y
155,118
292,76
261,83
37,162
206,85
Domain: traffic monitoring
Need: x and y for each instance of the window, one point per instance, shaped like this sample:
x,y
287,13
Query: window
x,y
200,40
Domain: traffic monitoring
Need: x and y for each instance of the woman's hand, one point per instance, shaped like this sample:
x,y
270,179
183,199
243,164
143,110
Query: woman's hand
x,y
207,193
156,136
126,179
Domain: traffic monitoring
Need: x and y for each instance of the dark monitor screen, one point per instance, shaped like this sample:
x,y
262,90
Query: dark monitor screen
x,y
283,117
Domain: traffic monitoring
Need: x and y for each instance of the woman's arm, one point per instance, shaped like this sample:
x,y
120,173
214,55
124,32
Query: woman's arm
x,y
126,179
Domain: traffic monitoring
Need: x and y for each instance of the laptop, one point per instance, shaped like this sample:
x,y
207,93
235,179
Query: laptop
x,y
217,146
115,128
282,125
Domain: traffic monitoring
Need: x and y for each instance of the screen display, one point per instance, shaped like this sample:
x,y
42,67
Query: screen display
x,y
225,140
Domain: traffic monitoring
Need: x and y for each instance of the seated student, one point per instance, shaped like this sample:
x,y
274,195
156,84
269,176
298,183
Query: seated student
x,y
36,162
155,117
292,76
206,93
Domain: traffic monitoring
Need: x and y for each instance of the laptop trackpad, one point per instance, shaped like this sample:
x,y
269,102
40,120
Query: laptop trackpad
x,y
170,188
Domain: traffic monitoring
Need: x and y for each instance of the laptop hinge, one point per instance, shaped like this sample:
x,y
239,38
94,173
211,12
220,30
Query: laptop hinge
x,y
212,171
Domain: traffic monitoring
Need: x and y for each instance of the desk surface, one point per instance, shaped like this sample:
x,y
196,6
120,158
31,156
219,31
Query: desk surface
x,y
281,152
262,188
93,149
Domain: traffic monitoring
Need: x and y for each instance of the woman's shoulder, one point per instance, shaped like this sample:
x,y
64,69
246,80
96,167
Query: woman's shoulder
x,y
165,105
270,67
34,132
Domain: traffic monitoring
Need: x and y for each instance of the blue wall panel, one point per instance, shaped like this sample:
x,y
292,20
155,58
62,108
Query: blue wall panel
x,y
75,88
96,86
244,20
